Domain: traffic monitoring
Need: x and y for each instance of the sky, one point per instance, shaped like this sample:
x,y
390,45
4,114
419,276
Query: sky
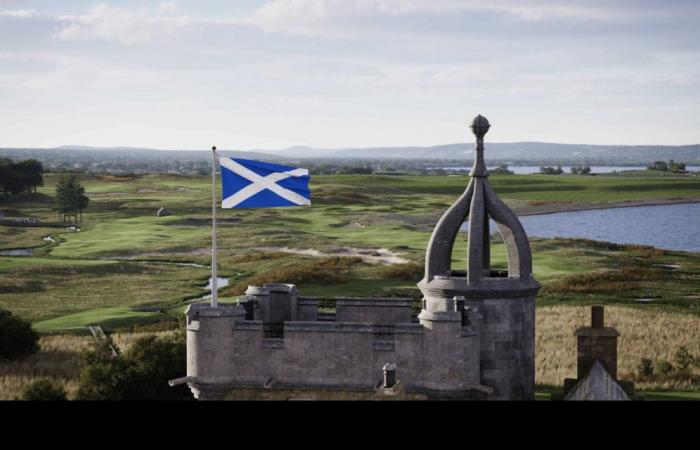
x,y
347,73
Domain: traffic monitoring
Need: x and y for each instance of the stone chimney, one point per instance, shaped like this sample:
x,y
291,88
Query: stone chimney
x,y
597,343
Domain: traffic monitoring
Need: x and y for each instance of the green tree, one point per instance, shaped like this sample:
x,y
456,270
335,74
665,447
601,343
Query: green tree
x,y
683,359
645,368
664,367
142,373
658,165
31,174
20,178
10,181
502,169
43,390
70,197
17,338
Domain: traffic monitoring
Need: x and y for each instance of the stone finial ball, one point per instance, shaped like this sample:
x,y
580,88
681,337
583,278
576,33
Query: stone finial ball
x,y
480,125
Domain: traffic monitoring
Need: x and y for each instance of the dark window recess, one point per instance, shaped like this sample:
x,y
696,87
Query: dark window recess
x,y
249,307
383,338
498,273
273,330
460,308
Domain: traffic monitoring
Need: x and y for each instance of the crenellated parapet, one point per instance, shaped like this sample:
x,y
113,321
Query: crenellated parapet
x,y
274,339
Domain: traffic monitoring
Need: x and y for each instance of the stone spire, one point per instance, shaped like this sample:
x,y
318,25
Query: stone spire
x,y
505,302
479,202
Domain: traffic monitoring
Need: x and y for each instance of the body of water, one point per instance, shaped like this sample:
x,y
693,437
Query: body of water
x,y
17,252
526,170
220,284
672,227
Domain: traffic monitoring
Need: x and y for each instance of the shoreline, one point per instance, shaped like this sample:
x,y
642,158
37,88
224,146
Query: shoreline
x,y
622,204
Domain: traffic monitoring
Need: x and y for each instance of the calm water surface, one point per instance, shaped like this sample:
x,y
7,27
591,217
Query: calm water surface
x,y
673,227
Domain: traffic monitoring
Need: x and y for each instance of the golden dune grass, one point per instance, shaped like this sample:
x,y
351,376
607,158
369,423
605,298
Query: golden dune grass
x,y
644,334
58,359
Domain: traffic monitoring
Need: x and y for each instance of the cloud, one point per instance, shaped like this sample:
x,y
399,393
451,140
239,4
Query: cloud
x,y
333,18
128,26
324,18
347,18
19,13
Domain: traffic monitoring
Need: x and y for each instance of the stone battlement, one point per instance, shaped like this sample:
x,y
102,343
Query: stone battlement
x,y
226,347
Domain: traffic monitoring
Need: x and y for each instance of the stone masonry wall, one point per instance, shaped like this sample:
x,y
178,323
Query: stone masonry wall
x,y
333,354
507,357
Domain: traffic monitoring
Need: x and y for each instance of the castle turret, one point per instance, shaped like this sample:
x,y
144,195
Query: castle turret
x,y
504,298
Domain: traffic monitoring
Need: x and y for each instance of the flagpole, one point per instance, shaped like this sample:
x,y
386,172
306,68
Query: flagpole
x,y
214,284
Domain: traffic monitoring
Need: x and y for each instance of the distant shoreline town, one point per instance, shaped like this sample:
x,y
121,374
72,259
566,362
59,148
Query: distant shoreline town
x,y
389,160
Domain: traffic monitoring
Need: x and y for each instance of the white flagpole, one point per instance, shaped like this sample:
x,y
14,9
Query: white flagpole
x,y
214,284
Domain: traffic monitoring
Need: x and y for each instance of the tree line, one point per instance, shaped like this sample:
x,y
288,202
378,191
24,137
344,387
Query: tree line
x,y
665,167
18,178
23,177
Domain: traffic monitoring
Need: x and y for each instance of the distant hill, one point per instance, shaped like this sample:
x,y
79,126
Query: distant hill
x,y
540,152
124,153
126,159
516,153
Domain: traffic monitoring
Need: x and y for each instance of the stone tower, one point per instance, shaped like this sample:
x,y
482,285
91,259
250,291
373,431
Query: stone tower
x,y
504,299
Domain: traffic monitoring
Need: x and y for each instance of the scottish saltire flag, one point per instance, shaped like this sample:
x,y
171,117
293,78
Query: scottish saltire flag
x,y
256,184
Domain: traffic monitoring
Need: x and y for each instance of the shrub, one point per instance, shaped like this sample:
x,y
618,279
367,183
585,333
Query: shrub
x,y
142,373
318,271
646,369
603,281
17,339
254,257
683,359
43,390
664,367
410,271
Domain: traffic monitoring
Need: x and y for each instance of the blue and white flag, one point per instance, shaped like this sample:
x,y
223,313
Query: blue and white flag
x,y
256,184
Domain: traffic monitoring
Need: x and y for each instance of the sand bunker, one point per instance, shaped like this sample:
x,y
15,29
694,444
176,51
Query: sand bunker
x,y
371,256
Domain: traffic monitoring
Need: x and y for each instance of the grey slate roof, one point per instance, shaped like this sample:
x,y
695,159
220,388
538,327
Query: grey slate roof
x,y
597,385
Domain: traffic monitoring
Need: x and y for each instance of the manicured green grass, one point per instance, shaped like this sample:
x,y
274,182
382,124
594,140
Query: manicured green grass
x,y
364,211
108,318
123,235
546,395
25,237
37,290
543,396
671,395
8,263
534,187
